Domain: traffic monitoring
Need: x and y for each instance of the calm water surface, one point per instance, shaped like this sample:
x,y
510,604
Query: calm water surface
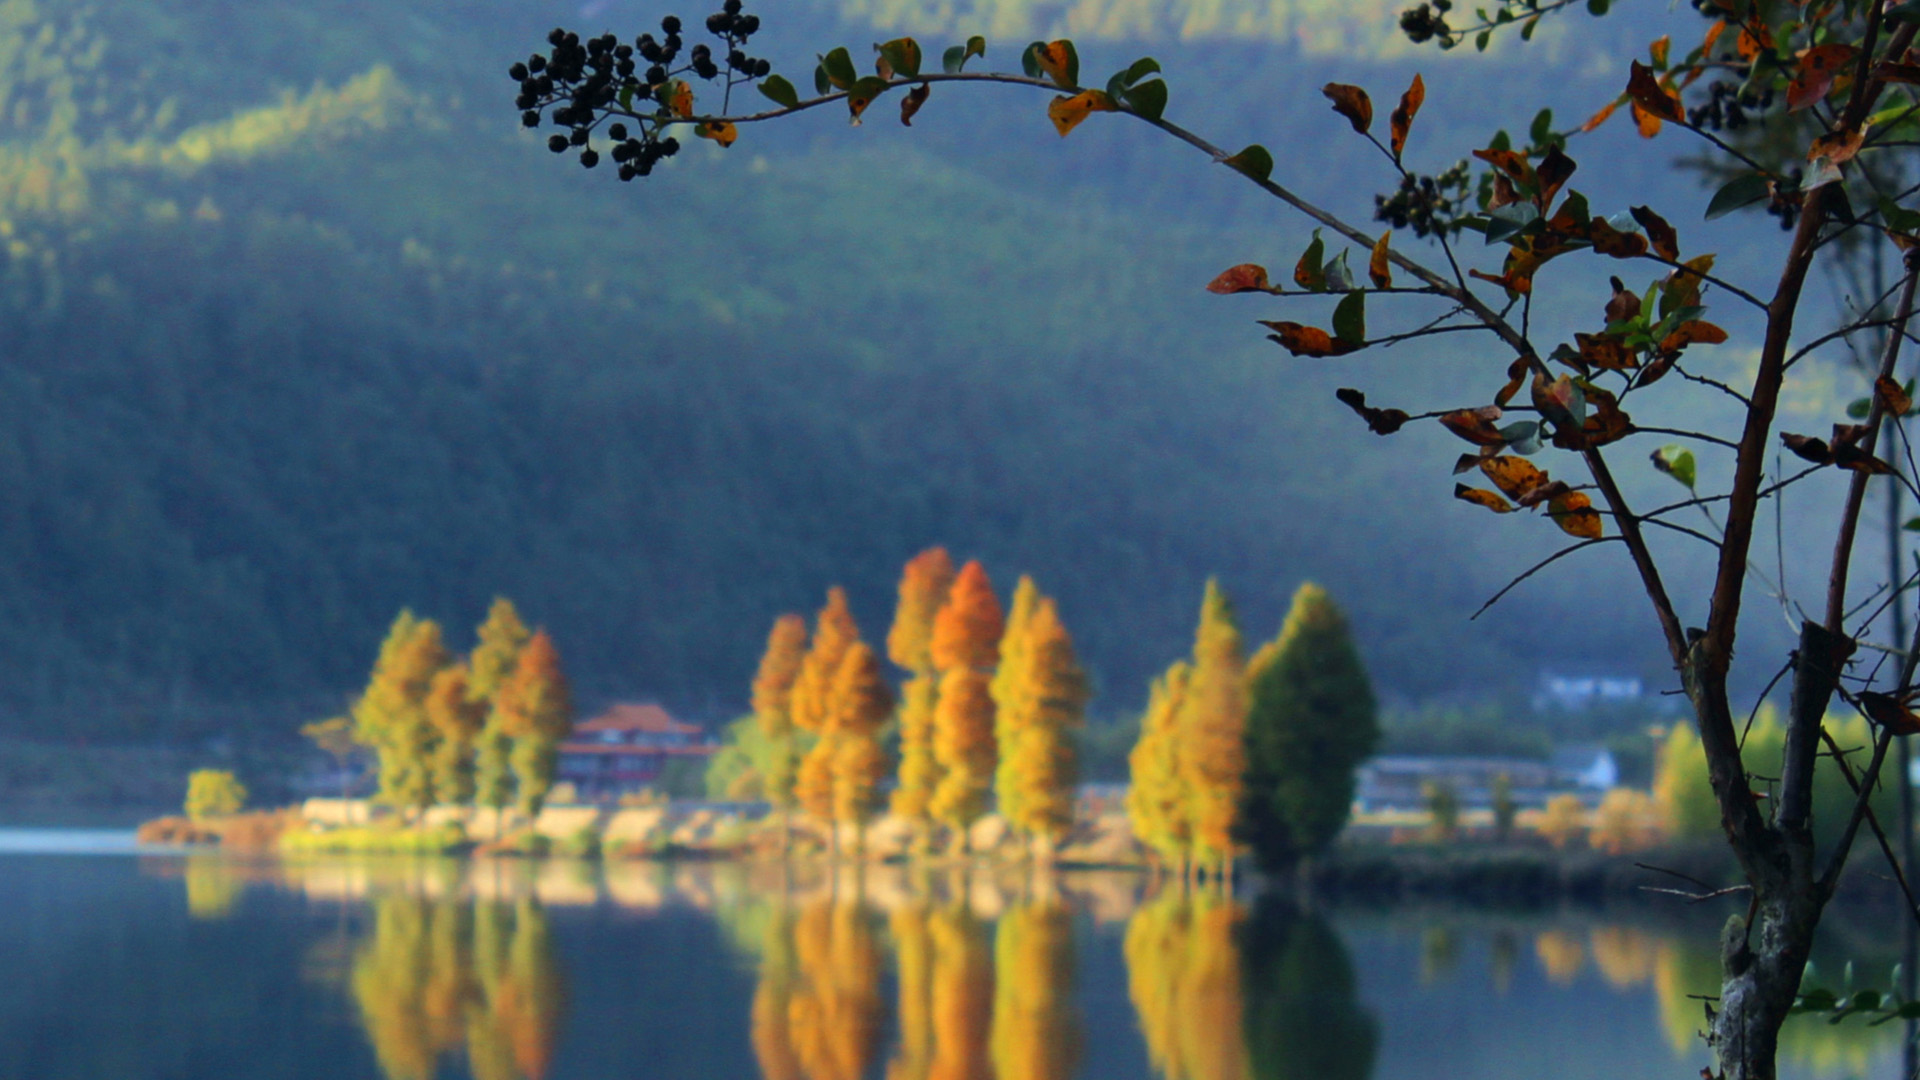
x,y
137,967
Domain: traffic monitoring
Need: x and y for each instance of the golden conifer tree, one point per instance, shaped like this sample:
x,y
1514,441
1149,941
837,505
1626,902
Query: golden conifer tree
x,y
1010,683
962,995
1038,772
966,645
1155,951
457,718
773,707
836,1009
1157,803
1212,731
536,711
862,703
924,587
392,716
811,704
502,636
1036,1035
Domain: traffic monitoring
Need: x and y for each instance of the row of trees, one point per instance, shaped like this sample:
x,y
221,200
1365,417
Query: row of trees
x,y
986,714
1258,754
483,729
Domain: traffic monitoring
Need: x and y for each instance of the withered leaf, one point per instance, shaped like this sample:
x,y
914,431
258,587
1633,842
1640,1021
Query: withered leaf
x,y
1510,281
1665,241
1067,112
910,104
1575,515
1838,147
1401,121
1692,332
1624,304
1608,240
1059,60
1482,497
1889,712
1553,171
1893,72
1379,421
1516,477
1894,398
1475,425
1657,368
680,98
1516,378
1643,86
1307,340
1511,162
1247,277
1683,285
1808,448
719,131
1557,401
1818,68
1608,352
1546,492
1352,103
1379,271
1600,117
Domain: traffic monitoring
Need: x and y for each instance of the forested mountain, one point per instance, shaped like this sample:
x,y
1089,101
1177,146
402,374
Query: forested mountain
x,y
298,327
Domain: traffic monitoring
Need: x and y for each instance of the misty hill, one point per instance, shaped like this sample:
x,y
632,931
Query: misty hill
x,y
300,328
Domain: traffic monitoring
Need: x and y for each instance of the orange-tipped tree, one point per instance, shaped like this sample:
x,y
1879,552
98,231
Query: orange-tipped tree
x,y
457,719
536,711
773,709
924,586
502,636
966,645
392,715
1038,770
1211,730
862,705
811,705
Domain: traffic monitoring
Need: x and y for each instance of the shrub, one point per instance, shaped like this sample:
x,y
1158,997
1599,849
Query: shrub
x,y
214,793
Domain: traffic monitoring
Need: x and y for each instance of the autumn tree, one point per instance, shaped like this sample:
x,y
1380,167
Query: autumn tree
x,y
811,704
1008,679
391,716
1038,771
773,708
1310,723
862,704
1036,1035
924,586
1832,75
213,793
961,996
502,636
1210,739
965,648
457,720
536,712
1158,809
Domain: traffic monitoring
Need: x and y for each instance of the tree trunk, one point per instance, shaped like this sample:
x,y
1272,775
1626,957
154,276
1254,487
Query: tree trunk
x,y
1761,971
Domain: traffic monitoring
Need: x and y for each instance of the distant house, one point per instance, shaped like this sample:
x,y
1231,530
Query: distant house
x,y
1576,692
1400,782
1590,767
624,748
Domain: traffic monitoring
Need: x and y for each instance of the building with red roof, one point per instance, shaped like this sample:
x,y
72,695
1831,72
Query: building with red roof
x,y
624,748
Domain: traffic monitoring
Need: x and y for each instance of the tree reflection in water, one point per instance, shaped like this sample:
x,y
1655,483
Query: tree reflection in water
x,y
442,977
1302,1010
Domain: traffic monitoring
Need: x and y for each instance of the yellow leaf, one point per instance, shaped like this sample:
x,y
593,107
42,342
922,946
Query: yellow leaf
x,y
1378,268
1575,515
1067,112
680,99
719,131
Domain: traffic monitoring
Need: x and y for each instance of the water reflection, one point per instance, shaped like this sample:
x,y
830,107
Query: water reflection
x,y
971,974
445,977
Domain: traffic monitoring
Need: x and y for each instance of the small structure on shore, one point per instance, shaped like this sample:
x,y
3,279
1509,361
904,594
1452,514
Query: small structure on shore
x,y
624,748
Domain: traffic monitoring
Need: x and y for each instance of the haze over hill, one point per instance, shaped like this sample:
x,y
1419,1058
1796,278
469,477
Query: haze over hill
x,y
301,328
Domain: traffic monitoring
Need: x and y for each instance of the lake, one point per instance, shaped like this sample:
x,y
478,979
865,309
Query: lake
x,y
144,967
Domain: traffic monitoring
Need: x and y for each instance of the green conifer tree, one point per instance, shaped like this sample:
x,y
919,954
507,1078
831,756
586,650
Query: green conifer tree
x,y
392,715
1311,722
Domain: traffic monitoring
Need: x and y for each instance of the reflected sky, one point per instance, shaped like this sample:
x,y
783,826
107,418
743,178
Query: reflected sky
x,y
396,969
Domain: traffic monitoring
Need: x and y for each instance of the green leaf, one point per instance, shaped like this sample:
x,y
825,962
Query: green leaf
x,y
953,59
1500,141
1029,64
1598,7
626,96
1542,127
903,56
1859,408
1818,1000
1865,1000
1481,39
1912,525
1254,161
1339,275
1510,221
1909,1010
1308,274
1148,99
1743,190
839,68
1575,206
821,83
781,92
1350,318
1523,438
1676,461
977,46
1899,218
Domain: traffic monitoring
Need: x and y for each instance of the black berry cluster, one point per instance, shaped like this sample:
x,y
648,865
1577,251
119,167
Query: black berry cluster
x,y
581,85
1728,108
1429,205
1427,22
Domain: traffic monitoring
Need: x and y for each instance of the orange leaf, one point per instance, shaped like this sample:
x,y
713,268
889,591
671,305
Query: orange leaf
x,y
1067,112
1893,397
1692,332
1516,378
1888,71
1643,86
1516,477
910,104
1818,68
1247,277
1055,58
1600,117
1475,425
1512,282
1838,147
1575,515
1553,171
1401,122
1648,123
1482,497
1511,162
1659,49
1608,352
1683,285
1749,44
1713,35
1890,712
1306,340
680,99
1352,103
719,131
1378,269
